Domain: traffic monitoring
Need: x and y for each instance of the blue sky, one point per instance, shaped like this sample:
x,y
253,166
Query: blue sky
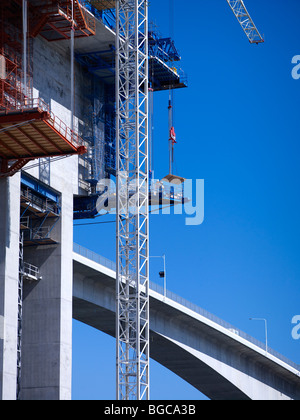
x,y
237,128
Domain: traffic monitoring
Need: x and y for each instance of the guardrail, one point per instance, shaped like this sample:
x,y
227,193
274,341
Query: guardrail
x,y
90,255
30,271
78,249
54,121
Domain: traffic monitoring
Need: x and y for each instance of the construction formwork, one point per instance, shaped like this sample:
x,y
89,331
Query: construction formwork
x,y
28,128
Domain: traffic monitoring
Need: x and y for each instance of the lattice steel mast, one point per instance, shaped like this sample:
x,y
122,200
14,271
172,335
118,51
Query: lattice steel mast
x,y
132,320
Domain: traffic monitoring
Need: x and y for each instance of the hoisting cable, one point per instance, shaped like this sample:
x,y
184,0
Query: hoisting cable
x,y
172,135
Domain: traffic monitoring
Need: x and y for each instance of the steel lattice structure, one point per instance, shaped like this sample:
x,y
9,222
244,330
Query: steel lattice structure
x,y
239,9
132,320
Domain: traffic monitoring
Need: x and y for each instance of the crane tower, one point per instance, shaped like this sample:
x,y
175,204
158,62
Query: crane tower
x,y
132,286
132,329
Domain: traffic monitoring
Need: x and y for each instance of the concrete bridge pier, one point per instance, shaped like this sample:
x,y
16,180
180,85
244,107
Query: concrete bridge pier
x,y
46,350
9,275
47,315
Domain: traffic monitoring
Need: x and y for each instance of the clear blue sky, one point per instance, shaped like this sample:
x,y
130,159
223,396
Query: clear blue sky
x,y
238,129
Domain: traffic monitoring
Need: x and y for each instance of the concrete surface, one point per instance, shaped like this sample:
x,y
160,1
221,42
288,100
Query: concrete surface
x,y
9,275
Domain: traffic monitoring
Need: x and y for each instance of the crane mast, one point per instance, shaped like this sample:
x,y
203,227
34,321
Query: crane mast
x,y
239,9
132,320
132,283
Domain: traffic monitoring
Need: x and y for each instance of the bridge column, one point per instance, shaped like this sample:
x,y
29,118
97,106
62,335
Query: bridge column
x,y
9,275
47,314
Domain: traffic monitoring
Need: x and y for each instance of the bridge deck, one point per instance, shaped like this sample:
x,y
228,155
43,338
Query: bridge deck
x,y
215,357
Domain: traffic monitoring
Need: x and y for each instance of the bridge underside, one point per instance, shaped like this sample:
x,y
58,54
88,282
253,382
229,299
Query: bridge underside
x,y
219,366
163,351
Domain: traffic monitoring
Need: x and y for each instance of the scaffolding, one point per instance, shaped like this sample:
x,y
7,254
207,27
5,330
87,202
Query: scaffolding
x,y
13,92
32,131
20,314
163,74
40,212
28,128
53,19
100,121
95,119
27,272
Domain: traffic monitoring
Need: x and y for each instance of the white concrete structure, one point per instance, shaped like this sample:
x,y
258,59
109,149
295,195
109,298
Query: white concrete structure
x,y
9,274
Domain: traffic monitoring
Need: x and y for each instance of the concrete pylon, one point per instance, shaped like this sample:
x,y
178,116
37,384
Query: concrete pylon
x,y
9,275
46,362
47,315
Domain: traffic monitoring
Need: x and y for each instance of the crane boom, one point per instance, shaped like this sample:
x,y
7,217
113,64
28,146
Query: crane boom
x,y
239,9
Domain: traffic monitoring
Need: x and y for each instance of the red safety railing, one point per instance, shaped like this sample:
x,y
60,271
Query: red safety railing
x,y
54,121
